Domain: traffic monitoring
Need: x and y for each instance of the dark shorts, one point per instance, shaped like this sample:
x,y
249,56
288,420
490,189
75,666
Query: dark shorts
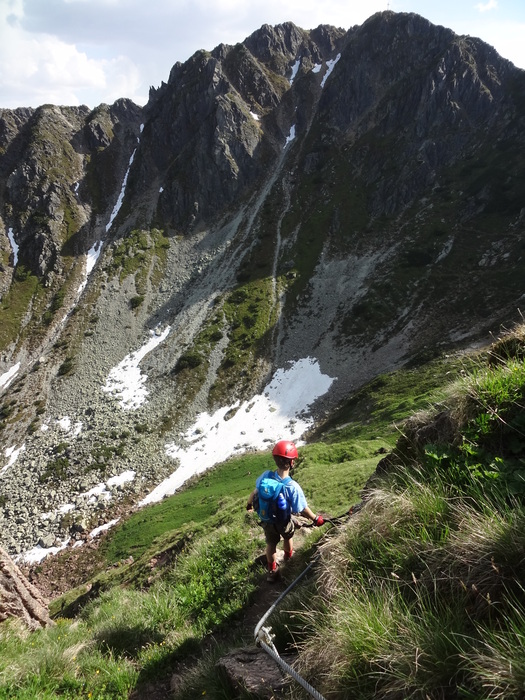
x,y
274,531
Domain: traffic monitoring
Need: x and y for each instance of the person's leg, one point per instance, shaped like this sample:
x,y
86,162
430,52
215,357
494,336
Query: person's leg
x,y
272,540
288,540
271,550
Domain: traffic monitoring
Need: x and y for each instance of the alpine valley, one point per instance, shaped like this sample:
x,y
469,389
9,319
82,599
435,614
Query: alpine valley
x,y
349,201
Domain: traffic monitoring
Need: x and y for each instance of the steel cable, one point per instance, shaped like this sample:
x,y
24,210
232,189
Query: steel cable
x,y
263,635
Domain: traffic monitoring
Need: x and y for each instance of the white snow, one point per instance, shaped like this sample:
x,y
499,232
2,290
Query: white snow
x,y
98,490
330,67
12,454
279,412
161,190
66,508
290,136
7,377
14,246
254,116
126,381
35,555
62,510
102,528
92,257
120,199
123,478
446,250
101,489
64,424
295,69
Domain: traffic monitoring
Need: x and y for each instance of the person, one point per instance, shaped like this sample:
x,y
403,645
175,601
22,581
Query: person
x,y
284,454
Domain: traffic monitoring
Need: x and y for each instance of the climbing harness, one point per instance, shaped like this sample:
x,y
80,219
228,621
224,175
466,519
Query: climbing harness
x,y
263,635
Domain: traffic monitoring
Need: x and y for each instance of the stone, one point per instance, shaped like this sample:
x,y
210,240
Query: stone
x,y
252,670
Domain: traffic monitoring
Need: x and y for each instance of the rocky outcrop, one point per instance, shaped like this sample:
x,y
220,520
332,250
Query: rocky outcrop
x,y
251,670
19,598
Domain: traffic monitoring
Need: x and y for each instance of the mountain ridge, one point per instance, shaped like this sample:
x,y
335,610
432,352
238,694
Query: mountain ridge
x,y
259,214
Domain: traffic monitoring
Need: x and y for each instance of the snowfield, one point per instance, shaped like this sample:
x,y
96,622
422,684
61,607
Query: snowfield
x,y
279,412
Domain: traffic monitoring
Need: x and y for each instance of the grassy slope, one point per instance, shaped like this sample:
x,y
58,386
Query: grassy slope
x,y
399,587
422,595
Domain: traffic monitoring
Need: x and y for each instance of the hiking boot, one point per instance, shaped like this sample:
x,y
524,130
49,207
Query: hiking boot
x,y
272,576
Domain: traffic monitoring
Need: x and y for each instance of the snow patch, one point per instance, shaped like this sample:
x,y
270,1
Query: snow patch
x,y
7,377
64,424
123,478
38,553
295,70
99,490
330,66
254,116
290,136
102,528
120,199
92,257
279,412
126,381
11,454
446,250
14,246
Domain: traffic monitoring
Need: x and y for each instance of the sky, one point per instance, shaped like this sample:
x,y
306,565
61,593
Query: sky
x,y
72,52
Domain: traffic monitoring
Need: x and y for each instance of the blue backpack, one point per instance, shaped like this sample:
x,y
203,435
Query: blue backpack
x,y
272,503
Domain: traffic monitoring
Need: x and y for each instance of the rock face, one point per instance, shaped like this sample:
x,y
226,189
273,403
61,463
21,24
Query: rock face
x,y
350,196
251,670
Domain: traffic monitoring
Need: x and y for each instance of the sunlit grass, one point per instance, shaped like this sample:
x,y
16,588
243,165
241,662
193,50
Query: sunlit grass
x,y
418,595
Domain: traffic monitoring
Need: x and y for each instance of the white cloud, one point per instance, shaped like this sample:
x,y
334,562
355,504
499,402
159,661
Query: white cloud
x,y
92,51
52,70
486,6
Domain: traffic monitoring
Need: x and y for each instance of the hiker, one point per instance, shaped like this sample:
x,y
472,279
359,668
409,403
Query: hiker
x,y
276,519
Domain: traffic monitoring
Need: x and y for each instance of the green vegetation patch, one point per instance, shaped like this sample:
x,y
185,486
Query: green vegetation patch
x,y
16,303
249,313
195,503
135,254
381,406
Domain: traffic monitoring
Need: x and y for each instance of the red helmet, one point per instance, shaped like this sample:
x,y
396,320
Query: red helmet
x,y
285,448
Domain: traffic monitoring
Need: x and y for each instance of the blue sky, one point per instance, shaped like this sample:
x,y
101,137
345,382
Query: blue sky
x,y
72,52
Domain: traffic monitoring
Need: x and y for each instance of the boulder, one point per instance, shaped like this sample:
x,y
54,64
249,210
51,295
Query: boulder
x,y
252,670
